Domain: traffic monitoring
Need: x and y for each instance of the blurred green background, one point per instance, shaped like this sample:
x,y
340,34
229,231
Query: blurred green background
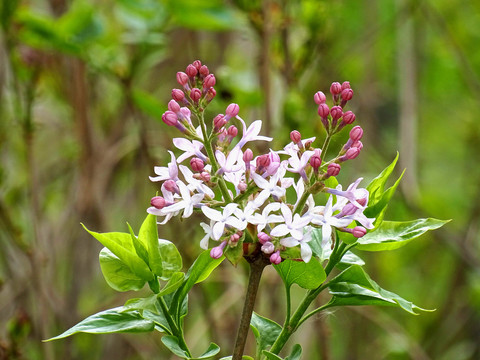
x,y
83,87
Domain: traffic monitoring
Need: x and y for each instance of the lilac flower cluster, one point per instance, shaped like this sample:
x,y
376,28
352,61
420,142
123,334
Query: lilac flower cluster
x,y
244,197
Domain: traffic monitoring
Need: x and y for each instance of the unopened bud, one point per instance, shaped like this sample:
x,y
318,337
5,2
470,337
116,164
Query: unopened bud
x,y
335,88
345,85
170,118
336,112
217,251
205,176
268,248
232,110
333,169
173,106
197,164
262,162
296,137
248,156
275,258
359,231
219,121
197,64
211,93
347,94
348,118
358,144
191,71
209,81
234,238
195,94
352,153
263,237
171,186
315,162
356,133
232,131
182,78
319,98
242,186
178,95
323,111
158,202
203,70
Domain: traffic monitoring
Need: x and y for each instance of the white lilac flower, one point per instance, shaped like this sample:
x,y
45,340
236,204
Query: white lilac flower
x,y
229,163
187,202
208,234
190,148
293,225
305,250
166,173
261,220
352,193
251,134
294,147
222,219
323,216
169,199
298,165
195,184
270,187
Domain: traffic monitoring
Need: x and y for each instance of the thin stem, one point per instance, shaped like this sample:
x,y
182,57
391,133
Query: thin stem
x,y
311,313
301,203
176,331
325,145
289,304
256,268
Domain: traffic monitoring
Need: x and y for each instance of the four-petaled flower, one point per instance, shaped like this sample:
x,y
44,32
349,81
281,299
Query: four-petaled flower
x,y
222,219
293,225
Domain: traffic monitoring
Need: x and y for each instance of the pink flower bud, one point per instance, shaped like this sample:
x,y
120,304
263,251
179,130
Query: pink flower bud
x,y
352,153
335,88
323,111
173,106
262,162
319,98
158,202
197,164
232,110
211,93
359,231
315,162
217,251
248,156
197,64
205,176
275,258
209,81
336,112
195,94
171,186
178,95
232,131
204,70
182,78
345,85
191,71
333,169
234,238
356,133
263,237
219,121
348,118
242,186
347,94
268,248
296,137
170,118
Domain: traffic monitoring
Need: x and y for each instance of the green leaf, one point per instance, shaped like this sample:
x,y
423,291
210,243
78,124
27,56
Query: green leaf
x,y
173,284
244,357
354,287
391,235
117,274
213,349
149,309
171,258
108,322
121,245
376,186
265,331
271,356
148,236
139,247
349,259
296,353
234,254
306,275
173,344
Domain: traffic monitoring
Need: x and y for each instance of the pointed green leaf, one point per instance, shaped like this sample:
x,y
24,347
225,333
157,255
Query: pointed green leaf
x,y
376,186
265,331
117,274
391,235
306,275
170,257
148,236
354,287
139,247
172,343
149,309
296,353
173,284
234,254
271,356
108,322
121,245
213,349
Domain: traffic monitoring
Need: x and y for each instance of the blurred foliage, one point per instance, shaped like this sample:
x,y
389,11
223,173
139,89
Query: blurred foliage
x,y
83,87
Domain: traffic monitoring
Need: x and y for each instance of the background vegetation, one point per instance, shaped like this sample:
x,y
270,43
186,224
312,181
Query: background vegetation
x,y
83,87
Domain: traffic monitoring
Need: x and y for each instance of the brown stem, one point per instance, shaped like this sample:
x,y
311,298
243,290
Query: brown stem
x,y
257,265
